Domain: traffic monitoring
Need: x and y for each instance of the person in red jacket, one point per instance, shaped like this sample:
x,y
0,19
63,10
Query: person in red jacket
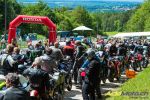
x,y
68,49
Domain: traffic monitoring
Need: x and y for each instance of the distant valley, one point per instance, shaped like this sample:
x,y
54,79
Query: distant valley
x,y
90,5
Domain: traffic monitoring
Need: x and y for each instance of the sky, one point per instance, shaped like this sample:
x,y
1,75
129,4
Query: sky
x,y
127,0
89,0
123,0
112,0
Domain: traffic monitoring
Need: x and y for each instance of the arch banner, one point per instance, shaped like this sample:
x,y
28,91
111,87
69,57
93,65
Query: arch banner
x,y
32,19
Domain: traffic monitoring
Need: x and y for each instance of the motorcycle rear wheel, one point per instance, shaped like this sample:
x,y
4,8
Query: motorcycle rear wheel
x,y
69,84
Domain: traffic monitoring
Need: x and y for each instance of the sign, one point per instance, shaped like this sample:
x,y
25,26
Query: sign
x,y
32,19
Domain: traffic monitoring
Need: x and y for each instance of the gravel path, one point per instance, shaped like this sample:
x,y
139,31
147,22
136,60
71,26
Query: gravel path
x,y
76,94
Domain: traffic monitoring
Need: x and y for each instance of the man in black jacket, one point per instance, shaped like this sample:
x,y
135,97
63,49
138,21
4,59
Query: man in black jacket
x,y
38,79
92,78
13,92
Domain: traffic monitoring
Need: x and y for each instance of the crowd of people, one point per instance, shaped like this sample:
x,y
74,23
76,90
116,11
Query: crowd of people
x,y
96,60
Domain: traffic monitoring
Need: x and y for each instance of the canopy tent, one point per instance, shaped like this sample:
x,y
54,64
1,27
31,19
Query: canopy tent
x,y
82,28
132,34
64,33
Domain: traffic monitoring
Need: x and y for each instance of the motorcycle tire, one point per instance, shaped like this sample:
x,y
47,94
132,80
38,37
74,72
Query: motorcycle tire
x,y
118,78
111,75
104,81
111,79
145,64
58,96
69,84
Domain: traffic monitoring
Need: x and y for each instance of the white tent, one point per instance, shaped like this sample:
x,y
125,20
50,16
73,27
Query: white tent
x,y
132,34
82,28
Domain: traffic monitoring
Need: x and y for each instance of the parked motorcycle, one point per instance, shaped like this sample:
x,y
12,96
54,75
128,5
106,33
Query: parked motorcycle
x,y
66,65
114,69
145,61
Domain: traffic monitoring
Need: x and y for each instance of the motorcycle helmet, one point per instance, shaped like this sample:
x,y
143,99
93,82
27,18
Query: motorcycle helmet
x,y
90,53
68,42
78,42
34,93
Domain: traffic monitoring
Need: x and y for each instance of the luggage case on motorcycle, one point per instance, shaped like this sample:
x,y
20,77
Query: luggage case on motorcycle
x,y
130,73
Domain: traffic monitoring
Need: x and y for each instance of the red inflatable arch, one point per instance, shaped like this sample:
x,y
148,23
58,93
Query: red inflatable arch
x,y
32,19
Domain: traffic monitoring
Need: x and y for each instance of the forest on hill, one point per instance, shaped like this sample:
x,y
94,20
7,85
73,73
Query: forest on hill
x,y
65,19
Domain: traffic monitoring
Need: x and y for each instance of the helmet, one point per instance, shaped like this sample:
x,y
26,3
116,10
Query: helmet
x,y
68,42
34,93
90,53
78,42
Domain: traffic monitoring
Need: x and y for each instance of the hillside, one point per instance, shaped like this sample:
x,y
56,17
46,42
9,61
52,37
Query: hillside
x,y
90,5
140,21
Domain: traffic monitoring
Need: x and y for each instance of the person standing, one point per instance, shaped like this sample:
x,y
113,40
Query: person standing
x,y
56,52
92,78
79,51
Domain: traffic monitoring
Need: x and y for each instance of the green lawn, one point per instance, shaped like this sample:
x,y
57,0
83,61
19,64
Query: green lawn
x,y
40,37
110,33
139,86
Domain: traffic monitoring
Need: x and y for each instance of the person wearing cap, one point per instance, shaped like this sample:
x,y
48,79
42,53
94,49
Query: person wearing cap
x,y
13,91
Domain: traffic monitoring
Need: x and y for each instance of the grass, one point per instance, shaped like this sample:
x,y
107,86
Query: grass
x,y
40,37
23,44
110,33
139,84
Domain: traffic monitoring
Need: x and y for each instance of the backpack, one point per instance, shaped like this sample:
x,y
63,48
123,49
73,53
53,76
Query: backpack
x,y
5,66
37,77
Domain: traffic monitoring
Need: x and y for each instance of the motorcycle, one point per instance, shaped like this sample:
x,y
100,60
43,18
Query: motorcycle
x,y
145,61
82,75
104,71
66,65
114,70
56,91
133,62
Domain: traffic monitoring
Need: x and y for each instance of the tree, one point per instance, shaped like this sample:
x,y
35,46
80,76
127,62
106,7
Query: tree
x,y
82,17
65,25
13,9
39,9
117,25
138,21
97,22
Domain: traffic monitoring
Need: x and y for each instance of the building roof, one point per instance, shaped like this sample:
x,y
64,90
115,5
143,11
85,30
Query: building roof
x,y
132,34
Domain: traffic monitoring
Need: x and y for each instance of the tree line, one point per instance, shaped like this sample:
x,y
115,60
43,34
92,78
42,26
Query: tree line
x,y
66,19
